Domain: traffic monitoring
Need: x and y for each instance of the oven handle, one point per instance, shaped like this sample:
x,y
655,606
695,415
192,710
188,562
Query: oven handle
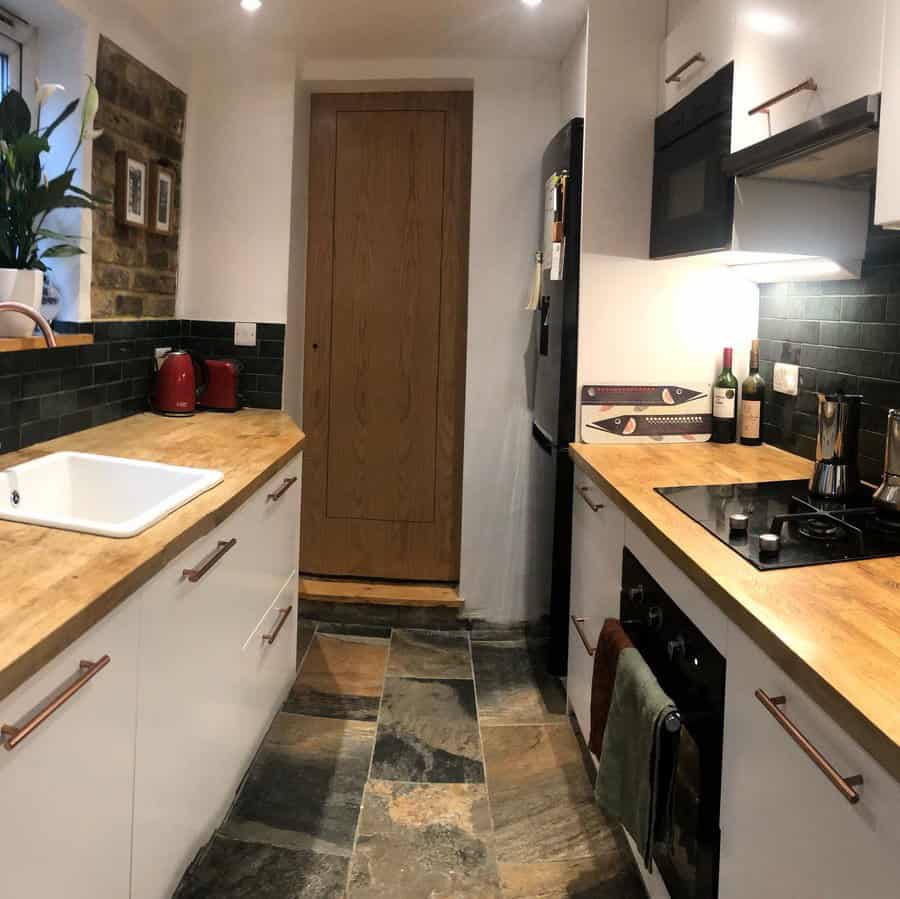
x,y
676,75
844,785
808,85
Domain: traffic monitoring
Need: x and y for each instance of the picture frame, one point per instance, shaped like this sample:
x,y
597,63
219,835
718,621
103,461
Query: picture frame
x,y
131,191
162,199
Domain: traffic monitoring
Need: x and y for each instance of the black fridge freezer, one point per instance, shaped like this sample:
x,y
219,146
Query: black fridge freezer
x,y
556,388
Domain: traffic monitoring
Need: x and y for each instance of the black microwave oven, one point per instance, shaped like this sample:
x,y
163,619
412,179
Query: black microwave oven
x,y
693,199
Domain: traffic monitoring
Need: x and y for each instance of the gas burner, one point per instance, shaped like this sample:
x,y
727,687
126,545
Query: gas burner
x,y
887,525
823,528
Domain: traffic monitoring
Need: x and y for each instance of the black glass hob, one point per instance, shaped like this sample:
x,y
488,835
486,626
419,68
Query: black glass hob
x,y
810,530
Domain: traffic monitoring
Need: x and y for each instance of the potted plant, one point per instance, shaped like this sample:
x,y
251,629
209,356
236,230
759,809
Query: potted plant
x,y
28,195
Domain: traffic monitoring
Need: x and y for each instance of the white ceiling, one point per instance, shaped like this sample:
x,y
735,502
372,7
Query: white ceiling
x,y
375,28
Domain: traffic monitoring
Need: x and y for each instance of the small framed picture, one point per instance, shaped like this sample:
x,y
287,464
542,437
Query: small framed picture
x,y
162,199
131,191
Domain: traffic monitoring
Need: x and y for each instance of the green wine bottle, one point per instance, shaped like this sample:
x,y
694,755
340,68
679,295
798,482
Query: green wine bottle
x,y
724,428
753,400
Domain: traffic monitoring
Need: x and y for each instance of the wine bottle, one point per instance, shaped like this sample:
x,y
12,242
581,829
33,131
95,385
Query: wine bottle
x,y
724,428
753,398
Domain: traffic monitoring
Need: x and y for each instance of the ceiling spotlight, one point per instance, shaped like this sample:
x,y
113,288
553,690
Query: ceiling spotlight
x,y
251,5
532,2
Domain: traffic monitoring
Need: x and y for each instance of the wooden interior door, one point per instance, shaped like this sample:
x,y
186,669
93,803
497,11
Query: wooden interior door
x,y
384,372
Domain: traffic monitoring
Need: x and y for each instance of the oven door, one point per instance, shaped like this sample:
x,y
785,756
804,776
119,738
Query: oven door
x,y
693,201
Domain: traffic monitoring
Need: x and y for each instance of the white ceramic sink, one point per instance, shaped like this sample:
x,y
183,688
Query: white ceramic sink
x,y
101,495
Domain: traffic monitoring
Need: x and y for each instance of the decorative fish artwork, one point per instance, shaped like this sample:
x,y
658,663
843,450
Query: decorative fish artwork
x,y
657,427
639,396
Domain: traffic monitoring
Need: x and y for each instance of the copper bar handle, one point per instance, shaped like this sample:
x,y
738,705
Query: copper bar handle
x,y
583,493
283,615
808,85
194,574
844,785
288,483
676,75
15,735
587,646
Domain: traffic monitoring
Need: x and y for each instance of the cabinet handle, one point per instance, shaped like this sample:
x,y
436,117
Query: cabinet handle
x,y
808,85
583,493
288,483
587,646
194,574
676,75
283,615
844,785
15,735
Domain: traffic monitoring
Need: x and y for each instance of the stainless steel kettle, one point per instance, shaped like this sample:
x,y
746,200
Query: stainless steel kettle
x,y
836,474
887,496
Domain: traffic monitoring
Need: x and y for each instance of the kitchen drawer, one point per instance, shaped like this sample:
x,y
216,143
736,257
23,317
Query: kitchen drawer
x,y
67,787
580,677
787,831
708,29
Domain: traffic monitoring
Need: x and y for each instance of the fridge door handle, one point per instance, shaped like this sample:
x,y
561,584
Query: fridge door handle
x,y
542,440
545,326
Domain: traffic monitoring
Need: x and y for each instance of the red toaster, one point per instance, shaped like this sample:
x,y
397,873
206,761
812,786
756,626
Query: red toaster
x,y
222,392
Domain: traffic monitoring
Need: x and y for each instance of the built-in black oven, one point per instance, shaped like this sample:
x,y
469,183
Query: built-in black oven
x,y
693,199
692,672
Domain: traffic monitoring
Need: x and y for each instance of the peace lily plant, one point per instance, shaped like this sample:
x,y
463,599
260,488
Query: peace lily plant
x,y
28,196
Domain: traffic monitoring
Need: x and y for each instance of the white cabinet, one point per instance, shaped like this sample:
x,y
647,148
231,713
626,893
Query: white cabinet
x,y
699,46
786,830
887,188
598,537
782,43
66,788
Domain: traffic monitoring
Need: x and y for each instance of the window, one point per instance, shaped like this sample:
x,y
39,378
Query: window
x,y
10,64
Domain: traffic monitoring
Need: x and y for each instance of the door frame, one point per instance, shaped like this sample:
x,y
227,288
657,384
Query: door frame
x,y
458,106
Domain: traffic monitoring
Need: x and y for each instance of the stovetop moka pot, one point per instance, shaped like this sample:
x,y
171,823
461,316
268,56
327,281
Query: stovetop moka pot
x,y
836,474
887,496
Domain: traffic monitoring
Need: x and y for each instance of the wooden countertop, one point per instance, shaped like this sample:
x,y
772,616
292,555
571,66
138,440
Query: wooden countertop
x,y
835,629
57,584
15,344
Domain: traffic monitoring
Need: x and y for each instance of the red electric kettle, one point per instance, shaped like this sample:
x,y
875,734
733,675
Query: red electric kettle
x,y
180,380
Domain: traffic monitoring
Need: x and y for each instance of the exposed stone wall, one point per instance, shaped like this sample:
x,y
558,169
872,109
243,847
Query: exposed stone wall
x,y
135,272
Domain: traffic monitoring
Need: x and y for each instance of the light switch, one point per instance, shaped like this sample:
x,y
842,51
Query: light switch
x,y
787,378
245,334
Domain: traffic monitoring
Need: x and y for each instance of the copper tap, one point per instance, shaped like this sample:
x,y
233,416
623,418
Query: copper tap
x,y
36,317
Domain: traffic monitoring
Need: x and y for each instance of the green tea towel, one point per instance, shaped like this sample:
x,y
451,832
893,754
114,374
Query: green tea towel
x,y
628,781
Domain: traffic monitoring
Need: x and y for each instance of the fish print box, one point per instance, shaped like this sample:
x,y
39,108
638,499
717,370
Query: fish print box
x,y
646,413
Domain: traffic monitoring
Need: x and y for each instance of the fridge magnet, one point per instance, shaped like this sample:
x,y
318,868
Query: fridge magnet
x,y
131,191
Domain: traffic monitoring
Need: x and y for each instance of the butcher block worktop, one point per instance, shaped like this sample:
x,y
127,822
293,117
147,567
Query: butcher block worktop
x,y
835,629
57,584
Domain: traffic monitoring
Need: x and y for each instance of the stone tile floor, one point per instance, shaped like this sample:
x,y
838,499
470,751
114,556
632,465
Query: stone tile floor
x,y
416,764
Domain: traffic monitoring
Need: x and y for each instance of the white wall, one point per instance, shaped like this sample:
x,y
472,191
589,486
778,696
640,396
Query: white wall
x,y
238,174
516,113
573,78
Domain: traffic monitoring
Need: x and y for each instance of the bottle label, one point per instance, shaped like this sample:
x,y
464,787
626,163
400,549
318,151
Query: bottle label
x,y
724,402
750,424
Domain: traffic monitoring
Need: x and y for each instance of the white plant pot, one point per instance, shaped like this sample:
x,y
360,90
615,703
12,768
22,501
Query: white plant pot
x,y
24,286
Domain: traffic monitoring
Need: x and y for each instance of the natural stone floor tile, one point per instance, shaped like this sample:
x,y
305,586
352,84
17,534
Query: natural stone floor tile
x,y
305,633
305,788
234,870
513,684
429,654
341,677
428,732
611,877
375,631
541,798
424,840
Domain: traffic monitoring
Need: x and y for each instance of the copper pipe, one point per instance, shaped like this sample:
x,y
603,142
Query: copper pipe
x,y
587,646
676,75
274,497
808,85
284,614
844,785
583,493
15,735
36,317
194,574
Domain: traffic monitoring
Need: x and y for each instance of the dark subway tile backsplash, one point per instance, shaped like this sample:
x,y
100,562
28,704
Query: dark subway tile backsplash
x,y
51,393
846,337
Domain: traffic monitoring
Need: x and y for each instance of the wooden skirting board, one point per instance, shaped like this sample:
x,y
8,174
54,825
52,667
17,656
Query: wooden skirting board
x,y
385,593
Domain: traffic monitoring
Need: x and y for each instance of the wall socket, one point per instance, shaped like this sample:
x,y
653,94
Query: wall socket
x,y
245,334
787,379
